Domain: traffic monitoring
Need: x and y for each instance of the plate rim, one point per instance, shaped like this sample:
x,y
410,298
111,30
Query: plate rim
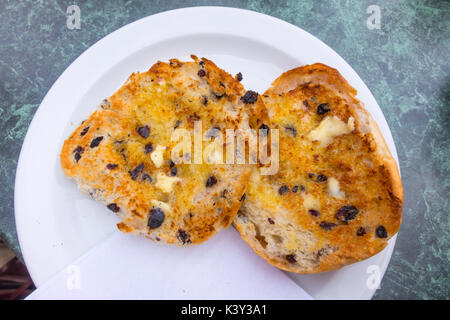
x,y
188,10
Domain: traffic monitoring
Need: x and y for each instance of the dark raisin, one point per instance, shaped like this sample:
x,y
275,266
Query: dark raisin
x,y
77,157
243,197
327,225
171,164
177,124
360,232
155,218
147,177
291,130
211,181
381,232
264,129
111,166
314,213
84,131
113,207
173,171
323,108
250,97
201,73
322,178
302,188
291,258
136,171
283,190
183,236
295,189
311,175
148,148
239,76
143,131
270,221
346,213
78,149
205,100
96,141
202,63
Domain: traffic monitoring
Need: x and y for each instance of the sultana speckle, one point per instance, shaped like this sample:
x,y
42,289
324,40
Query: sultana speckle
x,y
183,236
78,149
327,225
381,232
250,97
143,131
84,131
211,181
148,148
323,108
111,166
201,73
360,232
113,207
156,218
291,130
136,171
346,213
146,177
314,212
96,141
283,189
291,258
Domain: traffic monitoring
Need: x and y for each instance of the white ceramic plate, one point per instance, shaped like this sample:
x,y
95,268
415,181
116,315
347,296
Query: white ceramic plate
x,y
56,224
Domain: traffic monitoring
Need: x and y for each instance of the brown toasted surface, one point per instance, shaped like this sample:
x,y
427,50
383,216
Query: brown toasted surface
x,y
347,183
122,169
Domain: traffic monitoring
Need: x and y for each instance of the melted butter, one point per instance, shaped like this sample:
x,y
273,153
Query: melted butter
x,y
334,190
329,128
157,156
165,183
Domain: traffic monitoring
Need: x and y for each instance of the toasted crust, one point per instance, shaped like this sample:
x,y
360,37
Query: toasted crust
x,y
123,170
360,173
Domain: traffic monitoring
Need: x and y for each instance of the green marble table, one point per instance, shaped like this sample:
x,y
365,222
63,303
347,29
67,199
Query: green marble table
x,y
405,63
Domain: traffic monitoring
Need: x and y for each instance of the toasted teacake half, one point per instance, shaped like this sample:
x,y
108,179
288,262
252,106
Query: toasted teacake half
x,y
122,154
337,196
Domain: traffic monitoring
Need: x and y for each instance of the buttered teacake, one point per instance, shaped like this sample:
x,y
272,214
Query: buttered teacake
x,y
337,196
122,154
